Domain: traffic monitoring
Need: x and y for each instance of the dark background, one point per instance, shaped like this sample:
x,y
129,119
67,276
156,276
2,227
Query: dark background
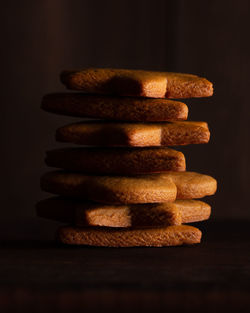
x,y
40,38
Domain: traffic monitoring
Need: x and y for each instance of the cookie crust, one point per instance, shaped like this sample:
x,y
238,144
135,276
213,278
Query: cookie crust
x,y
130,190
137,83
84,213
147,237
134,134
118,161
115,108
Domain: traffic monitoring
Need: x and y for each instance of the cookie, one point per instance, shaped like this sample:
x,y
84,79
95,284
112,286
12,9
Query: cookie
x,y
118,161
125,190
145,237
137,83
115,108
82,213
134,134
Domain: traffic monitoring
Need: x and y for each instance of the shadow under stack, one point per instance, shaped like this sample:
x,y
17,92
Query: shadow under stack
x,y
123,186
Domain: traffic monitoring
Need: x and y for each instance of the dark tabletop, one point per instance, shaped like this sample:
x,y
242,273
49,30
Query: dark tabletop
x,y
44,276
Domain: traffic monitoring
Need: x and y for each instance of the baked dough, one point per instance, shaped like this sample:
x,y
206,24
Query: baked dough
x,y
83,213
128,190
118,161
145,237
115,108
137,83
134,134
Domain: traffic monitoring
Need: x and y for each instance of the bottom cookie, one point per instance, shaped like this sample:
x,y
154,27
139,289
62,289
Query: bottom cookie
x,y
147,237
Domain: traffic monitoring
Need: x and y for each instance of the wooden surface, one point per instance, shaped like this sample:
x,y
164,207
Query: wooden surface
x,y
49,277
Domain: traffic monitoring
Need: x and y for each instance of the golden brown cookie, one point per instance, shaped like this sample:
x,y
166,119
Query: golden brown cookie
x,y
137,83
119,161
82,213
134,134
145,237
124,190
115,108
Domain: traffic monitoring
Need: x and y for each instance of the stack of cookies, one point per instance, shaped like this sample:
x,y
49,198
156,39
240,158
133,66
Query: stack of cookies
x,y
123,186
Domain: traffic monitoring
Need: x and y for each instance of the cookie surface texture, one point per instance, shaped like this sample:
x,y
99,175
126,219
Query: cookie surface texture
x,y
147,237
84,213
119,161
137,83
128,190
134,134
115,108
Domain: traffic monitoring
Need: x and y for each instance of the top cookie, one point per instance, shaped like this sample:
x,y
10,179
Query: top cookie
x,y
137,83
